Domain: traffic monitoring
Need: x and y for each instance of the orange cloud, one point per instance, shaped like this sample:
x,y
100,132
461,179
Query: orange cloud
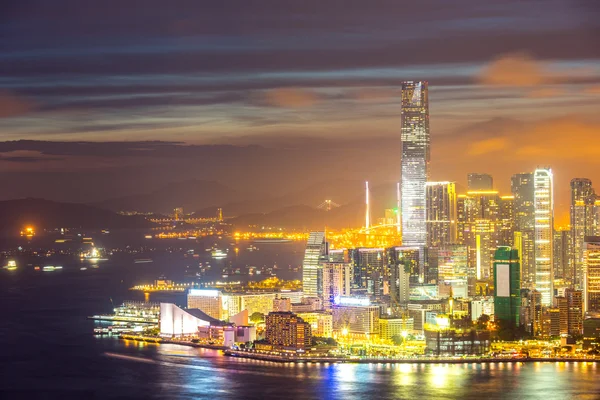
x,y
544,93
487,146
291,98
517,69
12,105
593,90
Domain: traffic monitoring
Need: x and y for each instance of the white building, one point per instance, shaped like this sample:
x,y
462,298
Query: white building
x,y
544,234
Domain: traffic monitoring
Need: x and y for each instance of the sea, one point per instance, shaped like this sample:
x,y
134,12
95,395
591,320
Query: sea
x,y
48,351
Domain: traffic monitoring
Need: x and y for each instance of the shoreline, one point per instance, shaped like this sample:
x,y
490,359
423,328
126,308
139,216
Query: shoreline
x,y
344,360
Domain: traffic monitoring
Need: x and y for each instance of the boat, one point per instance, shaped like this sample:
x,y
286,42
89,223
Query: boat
x,y
142,260
218,254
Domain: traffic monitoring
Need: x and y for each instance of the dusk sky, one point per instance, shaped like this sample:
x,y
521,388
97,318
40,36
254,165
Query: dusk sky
x,y
513,85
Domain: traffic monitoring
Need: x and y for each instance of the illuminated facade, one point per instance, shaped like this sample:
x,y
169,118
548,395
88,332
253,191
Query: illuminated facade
x,y
544,234
570,308
591,275
583,200
360,319
507,286
370,270
563,255
312,273
285,330
441,213
337,278
415,161
402,264
321,323
207,300
524,220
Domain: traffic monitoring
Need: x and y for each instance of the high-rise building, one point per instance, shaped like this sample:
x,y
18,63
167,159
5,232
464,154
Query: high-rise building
x,y
415,161
452,266
402,261
337,279
563,255
507,286
461,217
441,213
591,274
583,199
571,312
370,270
287,330
524,216
357,316
208,301
481,230
544,234
477,181
506,223
312,273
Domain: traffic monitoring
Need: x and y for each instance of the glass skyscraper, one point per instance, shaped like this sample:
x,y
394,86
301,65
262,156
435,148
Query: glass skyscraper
x,y
544,234
312,270
415,161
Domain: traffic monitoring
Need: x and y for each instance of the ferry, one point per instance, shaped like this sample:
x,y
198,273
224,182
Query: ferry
x,y
218,254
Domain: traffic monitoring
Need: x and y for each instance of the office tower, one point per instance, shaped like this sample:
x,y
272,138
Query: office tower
x,y
415,161
312,274
481,230
506,226
287,330
461,218
401,263
563,255
507,286
583,199
535,313
570,307
524,215
452,265
544,234
480,182
337,279
441,213
370,270
591,274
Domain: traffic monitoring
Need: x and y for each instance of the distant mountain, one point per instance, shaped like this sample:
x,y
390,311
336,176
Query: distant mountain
x,y
341,192
192,195
14,214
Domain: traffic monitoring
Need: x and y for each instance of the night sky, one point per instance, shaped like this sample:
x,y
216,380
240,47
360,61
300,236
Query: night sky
x,y
312,87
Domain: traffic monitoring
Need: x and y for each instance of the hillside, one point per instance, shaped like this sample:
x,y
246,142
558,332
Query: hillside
x,y
14,214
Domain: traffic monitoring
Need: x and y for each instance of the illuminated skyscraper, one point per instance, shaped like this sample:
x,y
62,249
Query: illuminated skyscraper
x,y
480,181
507,285
337,277
563,255
506,223
583,200
370,270
415,161
524,216
312,272
544,234
441,213
591,274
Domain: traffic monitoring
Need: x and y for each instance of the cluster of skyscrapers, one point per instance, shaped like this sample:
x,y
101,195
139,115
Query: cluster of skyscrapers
x,y
450,241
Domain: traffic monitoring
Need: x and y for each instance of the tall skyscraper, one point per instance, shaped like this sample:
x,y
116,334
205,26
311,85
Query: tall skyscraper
x,y
506,225
544,234
312,271
507,285
591,274
480,181
402,263
370,270
563,255
337,278
415,161
583,199
441,213
524,216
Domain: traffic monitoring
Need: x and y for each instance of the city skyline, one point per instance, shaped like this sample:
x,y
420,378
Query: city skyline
x,y
292,80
